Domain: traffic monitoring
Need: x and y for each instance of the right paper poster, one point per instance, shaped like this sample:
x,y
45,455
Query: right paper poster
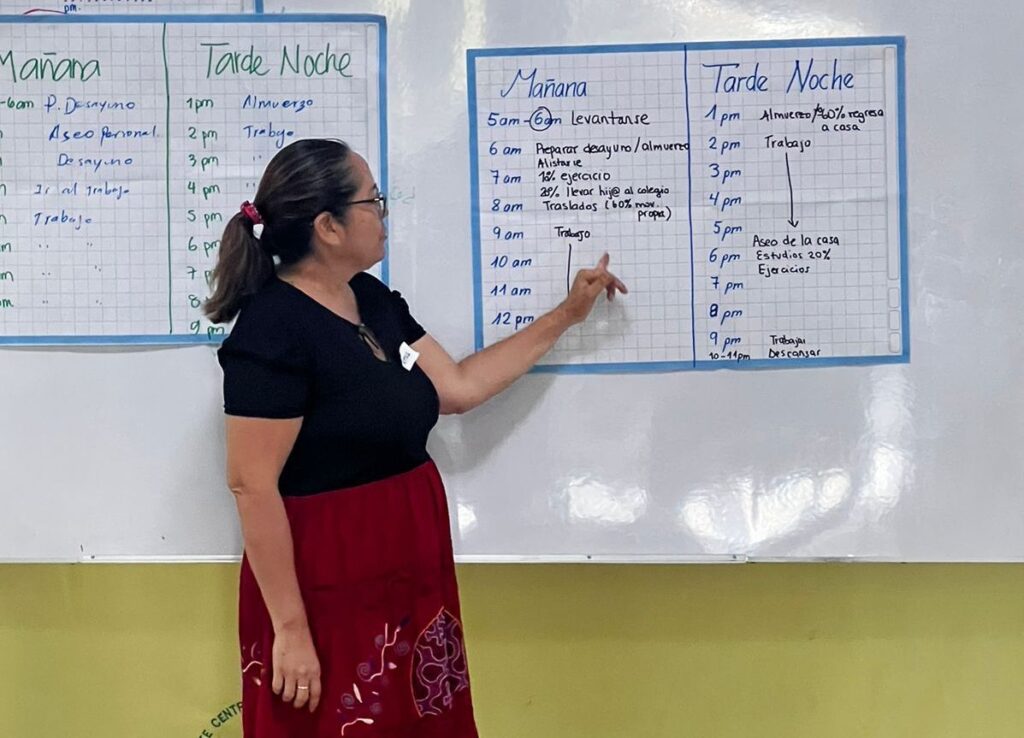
x,y
752,195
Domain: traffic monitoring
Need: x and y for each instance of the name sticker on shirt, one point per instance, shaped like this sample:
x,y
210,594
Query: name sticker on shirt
x,y
408,356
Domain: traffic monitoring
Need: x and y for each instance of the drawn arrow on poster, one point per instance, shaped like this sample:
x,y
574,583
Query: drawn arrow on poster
x,y
789,178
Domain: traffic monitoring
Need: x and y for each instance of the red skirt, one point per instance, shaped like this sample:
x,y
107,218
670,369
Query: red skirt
x,y
375,567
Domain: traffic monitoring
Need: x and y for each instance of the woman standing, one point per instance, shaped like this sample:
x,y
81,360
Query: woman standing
x,y
349,617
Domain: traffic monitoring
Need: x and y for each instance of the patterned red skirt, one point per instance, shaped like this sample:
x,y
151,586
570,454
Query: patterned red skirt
x,y
377,575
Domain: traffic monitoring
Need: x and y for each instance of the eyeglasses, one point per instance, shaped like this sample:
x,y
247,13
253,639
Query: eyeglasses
x,y
380,200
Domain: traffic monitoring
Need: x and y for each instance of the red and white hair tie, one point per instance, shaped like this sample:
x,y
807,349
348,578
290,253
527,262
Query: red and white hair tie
x,y
249,211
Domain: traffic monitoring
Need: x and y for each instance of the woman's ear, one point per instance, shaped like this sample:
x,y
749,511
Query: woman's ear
x,y
327,229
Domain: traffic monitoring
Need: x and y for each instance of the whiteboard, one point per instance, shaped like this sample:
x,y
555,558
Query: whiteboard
x,y
111,454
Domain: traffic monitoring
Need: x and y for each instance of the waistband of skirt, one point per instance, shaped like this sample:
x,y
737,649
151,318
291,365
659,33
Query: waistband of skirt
x,y
426,470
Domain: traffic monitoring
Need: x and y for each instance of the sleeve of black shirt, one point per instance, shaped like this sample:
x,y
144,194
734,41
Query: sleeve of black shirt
x,y
266,371
392,302
412,331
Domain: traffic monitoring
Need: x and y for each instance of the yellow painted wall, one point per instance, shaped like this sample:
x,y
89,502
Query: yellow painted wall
x,y
922,651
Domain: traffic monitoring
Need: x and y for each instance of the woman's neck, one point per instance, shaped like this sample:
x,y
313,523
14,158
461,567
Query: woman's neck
x,y
327,285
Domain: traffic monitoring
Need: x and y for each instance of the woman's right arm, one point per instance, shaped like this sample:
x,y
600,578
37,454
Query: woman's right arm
x,y
257,449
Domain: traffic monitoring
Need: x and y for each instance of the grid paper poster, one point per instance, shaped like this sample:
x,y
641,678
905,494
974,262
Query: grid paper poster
x,y
125,7
127,147
751,196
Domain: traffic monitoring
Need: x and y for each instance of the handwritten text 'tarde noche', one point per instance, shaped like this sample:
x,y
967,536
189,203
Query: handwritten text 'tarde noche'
x,y
221,60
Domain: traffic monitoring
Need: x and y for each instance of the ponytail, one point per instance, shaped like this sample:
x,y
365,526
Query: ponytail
x,y
243,267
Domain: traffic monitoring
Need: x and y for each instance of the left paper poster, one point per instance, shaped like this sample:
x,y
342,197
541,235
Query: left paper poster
x,y
126,147
128,7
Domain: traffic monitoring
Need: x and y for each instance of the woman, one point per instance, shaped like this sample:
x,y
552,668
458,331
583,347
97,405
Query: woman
x,y
349,614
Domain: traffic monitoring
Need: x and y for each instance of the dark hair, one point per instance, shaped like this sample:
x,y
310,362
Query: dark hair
x,y
304,179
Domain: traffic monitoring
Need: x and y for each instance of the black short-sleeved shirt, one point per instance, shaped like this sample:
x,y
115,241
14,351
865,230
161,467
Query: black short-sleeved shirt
x,y
364,420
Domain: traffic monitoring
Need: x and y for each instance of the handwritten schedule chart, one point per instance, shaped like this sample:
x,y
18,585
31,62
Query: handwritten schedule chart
x,y
127,7
752,195
126,147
